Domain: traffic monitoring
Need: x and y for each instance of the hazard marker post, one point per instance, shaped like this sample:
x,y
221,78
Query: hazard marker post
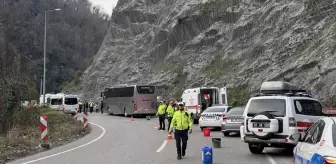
x,y
44,131
85,120
76,114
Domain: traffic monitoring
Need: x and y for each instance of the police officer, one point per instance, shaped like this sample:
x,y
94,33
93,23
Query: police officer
x,y
170,113
161,113
182,124
91,105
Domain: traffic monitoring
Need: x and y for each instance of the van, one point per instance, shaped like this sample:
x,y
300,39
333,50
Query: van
x,y
70,104
56,101
196,100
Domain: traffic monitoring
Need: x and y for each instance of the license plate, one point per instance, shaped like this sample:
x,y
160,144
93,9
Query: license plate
x,y
261,125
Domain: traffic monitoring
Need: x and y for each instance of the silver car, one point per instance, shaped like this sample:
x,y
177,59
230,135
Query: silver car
x,y
233,121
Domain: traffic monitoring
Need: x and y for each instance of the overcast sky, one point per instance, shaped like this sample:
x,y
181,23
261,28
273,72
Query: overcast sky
x,y
105,4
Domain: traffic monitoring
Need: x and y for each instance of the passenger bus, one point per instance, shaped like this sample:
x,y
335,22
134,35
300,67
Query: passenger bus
x,y
129,100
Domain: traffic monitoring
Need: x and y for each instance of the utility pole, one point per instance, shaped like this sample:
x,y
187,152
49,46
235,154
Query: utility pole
x,y
45,51
41,90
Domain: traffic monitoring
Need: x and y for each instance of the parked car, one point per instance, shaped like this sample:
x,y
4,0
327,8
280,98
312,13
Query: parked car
x,y
280,110
318,144
232,121
212,117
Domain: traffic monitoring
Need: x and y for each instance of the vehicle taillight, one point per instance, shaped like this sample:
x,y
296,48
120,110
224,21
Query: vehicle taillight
x,y
303,126
225,118
135,107
329,160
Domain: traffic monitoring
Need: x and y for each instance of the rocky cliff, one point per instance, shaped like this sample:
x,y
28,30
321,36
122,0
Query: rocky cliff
x,y
177,44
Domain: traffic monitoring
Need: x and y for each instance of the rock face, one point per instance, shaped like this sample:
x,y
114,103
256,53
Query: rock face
x,y
176,44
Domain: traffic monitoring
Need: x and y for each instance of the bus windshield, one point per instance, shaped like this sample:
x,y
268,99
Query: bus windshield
x,y
146,89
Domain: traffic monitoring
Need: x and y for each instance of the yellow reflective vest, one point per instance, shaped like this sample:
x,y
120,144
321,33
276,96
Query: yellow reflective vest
x,y
162,109
181,121
170,111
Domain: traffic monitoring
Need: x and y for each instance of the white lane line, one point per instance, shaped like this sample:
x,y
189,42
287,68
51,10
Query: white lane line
x,y
88,143
164,144
270,159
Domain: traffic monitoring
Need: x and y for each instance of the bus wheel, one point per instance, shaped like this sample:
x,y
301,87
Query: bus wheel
x,y
125,112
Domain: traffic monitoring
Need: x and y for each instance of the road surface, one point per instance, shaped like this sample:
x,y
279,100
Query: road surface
x,y
117,140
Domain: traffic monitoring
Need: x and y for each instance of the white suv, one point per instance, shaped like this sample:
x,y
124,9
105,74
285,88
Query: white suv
x,y
280,110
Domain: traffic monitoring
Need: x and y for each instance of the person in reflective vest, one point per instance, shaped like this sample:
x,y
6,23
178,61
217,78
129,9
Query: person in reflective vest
x,y
161,113
91,104
182,123
170,113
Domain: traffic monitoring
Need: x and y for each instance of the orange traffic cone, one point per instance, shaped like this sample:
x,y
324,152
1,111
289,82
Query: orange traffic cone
x,y
132,118
170,137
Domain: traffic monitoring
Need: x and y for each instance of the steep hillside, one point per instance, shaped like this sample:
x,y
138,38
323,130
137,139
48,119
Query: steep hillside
x,y
74,36
238,43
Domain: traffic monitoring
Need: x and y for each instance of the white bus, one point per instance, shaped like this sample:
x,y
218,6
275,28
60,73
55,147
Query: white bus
x,y
130,100
195,99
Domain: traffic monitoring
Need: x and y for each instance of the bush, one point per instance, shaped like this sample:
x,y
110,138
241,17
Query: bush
x,y
218,67
24,138
238,96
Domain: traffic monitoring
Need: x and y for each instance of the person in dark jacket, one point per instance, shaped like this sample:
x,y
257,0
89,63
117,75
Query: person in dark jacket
x,y
102,107
86,106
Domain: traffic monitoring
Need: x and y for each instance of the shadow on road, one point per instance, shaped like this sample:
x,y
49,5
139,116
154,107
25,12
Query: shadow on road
x,y
280,152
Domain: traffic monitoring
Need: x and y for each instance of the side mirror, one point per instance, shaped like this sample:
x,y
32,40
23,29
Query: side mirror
x,y
295,137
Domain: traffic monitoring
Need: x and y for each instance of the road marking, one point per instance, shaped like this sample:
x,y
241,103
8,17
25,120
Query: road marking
x,y
88,143
164,144
270,159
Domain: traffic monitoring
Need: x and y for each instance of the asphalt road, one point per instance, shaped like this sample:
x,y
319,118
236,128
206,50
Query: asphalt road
x,y
117,140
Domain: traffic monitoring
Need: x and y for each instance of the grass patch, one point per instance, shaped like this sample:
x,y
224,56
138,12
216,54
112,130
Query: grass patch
x,y
238,96
218,67
330,102
171,64
24,138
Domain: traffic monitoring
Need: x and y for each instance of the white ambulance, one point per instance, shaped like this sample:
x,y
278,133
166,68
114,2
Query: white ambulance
x,y
196,100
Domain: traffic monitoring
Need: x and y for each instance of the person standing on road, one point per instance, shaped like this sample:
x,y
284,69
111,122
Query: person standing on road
x,y
86,106
102,107
182,124
162,112
91,104
97,107
170,113
80,106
